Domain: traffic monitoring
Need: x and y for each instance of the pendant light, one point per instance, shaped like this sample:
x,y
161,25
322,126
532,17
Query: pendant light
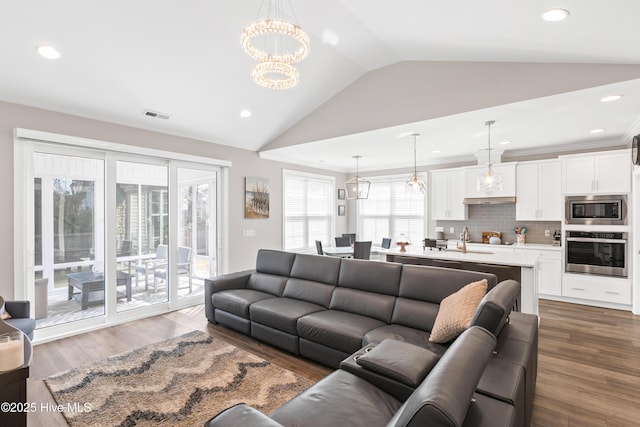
x,y
489,181
356,187
415,184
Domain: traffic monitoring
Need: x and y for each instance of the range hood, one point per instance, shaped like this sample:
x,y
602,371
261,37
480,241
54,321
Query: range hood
x,y
488,200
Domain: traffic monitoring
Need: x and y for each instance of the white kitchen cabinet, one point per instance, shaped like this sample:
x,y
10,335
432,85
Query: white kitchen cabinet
x,y
597,288
538,195
507,172
607,172
447,190
549,272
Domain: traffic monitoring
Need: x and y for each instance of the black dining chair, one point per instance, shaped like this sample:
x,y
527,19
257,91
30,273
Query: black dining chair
x,y
342,242
319,247
351,236
386,243
362,250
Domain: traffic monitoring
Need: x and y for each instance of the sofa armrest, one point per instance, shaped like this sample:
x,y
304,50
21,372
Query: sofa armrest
x,y
443,398
18,309
395,367
400,361
495,307
237,280
241,415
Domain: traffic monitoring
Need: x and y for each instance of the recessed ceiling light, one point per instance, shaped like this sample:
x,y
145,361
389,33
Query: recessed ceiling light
x,y
245,113
436,151
505,142
598,130
611,98
48,52
555,15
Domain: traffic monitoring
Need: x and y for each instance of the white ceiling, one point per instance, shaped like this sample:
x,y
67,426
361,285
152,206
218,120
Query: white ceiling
x,y
120,57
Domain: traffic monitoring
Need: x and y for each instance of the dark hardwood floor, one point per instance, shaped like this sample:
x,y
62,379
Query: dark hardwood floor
x,y
588,367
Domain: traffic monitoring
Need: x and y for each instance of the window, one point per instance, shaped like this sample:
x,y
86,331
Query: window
x,y
391,210
309,213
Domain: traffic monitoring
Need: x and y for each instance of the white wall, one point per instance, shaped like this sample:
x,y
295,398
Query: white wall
x,y
242,250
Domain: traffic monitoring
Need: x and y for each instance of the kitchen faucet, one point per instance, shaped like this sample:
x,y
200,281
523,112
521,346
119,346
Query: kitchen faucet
x,y
465,239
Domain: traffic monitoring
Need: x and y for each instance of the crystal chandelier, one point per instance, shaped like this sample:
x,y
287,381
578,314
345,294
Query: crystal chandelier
x,y
490,181
281,42
356,187
415,184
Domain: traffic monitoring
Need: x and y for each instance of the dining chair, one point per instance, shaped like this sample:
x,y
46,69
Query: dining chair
x,y
386,243
362,250
319,247
342,241
351,236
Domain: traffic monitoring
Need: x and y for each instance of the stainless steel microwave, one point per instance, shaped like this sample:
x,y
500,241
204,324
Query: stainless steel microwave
x,y
596,210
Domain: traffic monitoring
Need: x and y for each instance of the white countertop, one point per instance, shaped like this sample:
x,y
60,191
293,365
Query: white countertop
x,y
533,246
480,253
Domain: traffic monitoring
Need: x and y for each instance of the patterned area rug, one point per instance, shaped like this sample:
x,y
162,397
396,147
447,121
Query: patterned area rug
x,y
182,381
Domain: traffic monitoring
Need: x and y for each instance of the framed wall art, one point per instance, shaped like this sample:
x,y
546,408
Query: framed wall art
x,y
256,198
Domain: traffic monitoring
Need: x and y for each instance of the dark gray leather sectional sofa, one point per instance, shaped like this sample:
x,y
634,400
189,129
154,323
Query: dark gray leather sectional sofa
x,y
327,309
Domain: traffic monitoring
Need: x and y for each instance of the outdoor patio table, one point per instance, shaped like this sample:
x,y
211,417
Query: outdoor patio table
x,y
87,282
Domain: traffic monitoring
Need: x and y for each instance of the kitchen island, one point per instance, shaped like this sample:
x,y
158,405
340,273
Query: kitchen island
x,y
521,266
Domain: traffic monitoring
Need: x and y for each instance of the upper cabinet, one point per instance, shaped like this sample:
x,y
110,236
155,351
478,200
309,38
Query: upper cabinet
x,y
447,192
538,196
507,171
607,172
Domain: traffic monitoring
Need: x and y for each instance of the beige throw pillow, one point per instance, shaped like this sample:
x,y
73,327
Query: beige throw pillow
x,y
456,312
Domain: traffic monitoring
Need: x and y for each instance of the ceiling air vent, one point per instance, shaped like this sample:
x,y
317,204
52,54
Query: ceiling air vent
x,y
156,114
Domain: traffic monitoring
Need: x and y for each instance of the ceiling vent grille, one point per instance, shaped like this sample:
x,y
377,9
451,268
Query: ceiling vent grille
x,y
156,114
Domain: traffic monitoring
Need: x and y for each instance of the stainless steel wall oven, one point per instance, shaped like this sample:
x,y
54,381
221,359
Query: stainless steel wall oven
x,y
603,253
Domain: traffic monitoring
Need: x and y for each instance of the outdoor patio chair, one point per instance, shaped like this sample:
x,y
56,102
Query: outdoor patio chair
x,y
147,267
183,265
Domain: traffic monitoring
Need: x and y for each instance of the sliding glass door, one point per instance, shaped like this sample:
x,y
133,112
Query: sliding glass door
x,y
196,253
142,232
69,237
117,236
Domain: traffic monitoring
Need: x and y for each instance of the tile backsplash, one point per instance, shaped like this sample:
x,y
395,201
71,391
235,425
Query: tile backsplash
x,y
501,218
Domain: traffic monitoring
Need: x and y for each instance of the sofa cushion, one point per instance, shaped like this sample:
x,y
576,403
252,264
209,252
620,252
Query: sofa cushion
x,y
433,284
336,329
237,301
310,291
369,304
456,312
274,262
281,313
378,277
267,283
322,269
342,397
404,334
414,313
400,361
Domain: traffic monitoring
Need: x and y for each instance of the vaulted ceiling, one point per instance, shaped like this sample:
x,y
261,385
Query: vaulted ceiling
x,y
376,70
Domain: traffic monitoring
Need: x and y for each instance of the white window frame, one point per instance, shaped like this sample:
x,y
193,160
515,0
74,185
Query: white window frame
x,y
25,143
332,206
393,233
